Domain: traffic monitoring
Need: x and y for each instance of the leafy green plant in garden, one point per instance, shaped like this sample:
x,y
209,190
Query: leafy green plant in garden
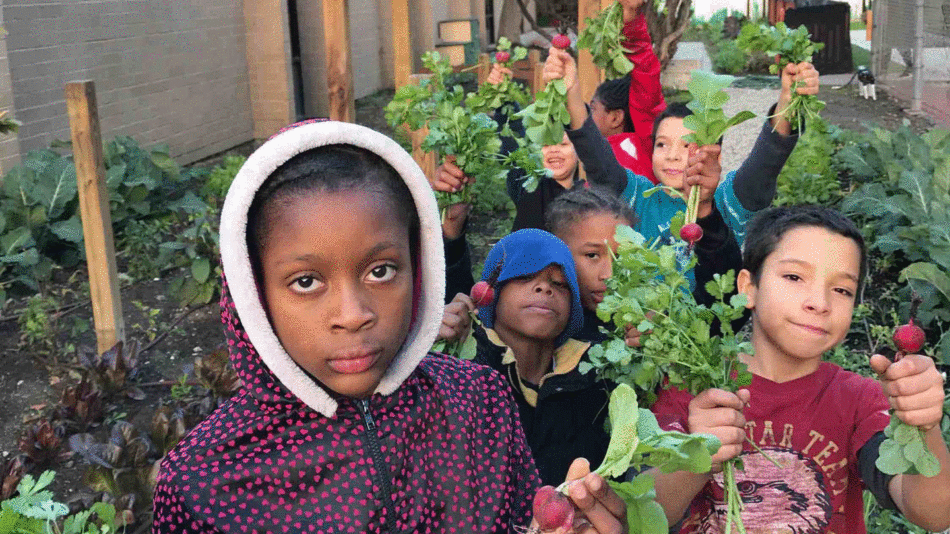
x,y
33,511
729,58
219,179
37,325
603,37
193,248
901,197
808,176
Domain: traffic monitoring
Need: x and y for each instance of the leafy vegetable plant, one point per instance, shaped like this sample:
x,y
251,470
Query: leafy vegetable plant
x,y
788,46
648,289
603,36
453,129
491,97
544,119
33,511
636,440
708,122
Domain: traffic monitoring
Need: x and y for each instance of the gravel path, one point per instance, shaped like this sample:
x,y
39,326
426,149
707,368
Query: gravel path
x,y
739,140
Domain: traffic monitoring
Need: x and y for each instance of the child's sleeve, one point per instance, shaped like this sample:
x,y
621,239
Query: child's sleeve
x,y
871,417
598,158
672,409
172,513
717,252
646,93
458,267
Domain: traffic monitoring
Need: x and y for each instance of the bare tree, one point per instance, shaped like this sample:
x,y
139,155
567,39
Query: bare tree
x,y
667,20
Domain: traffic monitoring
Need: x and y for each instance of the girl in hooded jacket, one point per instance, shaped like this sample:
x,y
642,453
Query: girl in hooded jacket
x,y
332,295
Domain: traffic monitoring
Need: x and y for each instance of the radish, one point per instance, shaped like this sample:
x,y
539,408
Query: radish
x,y
909,338
483,294
561,41
551,509
502,56
691,233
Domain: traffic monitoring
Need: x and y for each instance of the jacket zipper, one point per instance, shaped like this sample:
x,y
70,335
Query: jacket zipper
x,y
382,473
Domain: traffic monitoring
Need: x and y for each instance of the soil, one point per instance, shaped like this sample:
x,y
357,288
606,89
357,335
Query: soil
x,y
173,339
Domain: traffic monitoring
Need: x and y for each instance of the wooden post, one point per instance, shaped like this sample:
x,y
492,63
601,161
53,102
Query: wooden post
x,y
425,160
402,42
588,75
537,66
336,33
484,68
94,210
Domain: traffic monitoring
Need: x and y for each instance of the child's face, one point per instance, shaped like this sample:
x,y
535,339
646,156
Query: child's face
x,y
535,307
670,153
337,280
560,159
805,295
588,240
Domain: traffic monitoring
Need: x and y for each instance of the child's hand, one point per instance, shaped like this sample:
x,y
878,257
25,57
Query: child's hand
x,y
598,508
914,388
448,177
498,74
559,65
631,8
794,72
453,220
632,334
703,169
456,319
719,412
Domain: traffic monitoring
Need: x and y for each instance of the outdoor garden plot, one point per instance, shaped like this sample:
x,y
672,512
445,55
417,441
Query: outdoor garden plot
x,y
102,421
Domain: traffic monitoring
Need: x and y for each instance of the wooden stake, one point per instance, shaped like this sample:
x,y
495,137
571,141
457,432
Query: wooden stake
x,y
425,160
336,33
402,42
94,210
484,68
589,76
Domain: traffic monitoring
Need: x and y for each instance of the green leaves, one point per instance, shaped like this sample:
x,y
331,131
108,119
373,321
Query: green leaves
x,y
603,36
545,118
623,432
648,289
905,451
708,121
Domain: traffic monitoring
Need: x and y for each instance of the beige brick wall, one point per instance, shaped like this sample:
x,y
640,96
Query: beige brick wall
x,y
165,72
9,145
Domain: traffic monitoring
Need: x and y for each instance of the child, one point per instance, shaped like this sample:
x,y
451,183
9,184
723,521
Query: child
x,y
527,336
624,109
804,267
586,220
749,189
333,294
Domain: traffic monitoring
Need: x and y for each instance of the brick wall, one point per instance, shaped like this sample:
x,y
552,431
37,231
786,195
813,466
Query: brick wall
x,y
165,72
9,146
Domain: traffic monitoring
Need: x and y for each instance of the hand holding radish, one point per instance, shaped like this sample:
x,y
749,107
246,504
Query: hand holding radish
x,y
802,78
704,170
559,65
456,319
449,178
498,74
914,388
719,412
591,506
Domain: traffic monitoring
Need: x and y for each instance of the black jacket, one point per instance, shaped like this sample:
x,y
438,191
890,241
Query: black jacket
x,y
570,415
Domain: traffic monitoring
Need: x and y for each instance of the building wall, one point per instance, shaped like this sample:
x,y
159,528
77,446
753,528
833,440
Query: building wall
x,y
165,72
9,145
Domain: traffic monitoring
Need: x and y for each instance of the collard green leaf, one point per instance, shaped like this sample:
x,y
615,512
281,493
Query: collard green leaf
x,y
929,273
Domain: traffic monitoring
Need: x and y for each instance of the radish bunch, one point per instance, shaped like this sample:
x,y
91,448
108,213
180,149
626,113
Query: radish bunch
x,y
544,119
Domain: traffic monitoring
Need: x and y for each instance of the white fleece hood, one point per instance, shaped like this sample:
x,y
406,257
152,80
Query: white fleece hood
x,y
239,275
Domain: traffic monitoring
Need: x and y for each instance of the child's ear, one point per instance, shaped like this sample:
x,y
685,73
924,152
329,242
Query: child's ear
x,y
746,286
616,117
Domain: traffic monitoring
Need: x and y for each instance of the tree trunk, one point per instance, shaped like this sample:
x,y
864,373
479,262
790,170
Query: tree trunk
x,y
667,24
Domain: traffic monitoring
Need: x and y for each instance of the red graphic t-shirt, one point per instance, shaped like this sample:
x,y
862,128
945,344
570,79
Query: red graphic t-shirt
x,y
814,427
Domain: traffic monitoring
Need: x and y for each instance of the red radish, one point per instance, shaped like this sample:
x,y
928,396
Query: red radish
x,y
909,338
561,41
691,233
551,509
483,294
502,56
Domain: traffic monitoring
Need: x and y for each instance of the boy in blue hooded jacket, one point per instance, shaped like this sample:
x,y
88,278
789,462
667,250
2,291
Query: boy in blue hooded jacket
x,y
526,335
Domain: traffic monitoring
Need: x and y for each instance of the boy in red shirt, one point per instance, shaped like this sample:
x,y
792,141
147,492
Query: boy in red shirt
x,y
804,267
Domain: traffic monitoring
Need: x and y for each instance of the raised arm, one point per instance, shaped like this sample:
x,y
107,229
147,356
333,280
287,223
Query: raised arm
x,y
646,93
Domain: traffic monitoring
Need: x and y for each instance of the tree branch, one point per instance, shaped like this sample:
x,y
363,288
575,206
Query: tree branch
x,y
531,21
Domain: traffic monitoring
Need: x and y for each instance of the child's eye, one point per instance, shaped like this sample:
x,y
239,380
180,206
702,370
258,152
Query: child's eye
x,y
383,273
592,255
792,277
844,291
305,284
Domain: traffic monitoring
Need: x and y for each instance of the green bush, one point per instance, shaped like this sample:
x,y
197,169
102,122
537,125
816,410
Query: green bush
x,y
729,58
220,178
